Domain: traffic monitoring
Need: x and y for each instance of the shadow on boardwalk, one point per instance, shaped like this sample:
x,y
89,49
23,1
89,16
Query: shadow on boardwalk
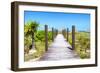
x,y
59,50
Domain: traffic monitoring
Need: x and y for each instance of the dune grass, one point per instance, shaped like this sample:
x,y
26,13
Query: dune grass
x,y
82,44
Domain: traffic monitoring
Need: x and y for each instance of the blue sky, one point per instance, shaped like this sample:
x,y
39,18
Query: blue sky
x,y
59,20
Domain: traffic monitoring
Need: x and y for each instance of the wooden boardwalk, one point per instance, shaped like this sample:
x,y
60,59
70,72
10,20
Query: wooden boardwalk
x,y
59,50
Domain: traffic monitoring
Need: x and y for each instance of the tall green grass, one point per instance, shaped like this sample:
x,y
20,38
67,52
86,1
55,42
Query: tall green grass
x,y
82,44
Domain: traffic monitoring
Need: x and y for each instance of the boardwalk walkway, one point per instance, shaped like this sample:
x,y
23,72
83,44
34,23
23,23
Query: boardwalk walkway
x,y
59,50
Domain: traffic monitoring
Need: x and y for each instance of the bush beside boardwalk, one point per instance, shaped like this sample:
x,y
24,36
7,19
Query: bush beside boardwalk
x,y
38,38
82,43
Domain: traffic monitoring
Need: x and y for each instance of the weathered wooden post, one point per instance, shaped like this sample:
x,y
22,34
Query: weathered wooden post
x,y
67,34
52,34
46,37
73,37
56,32
63,32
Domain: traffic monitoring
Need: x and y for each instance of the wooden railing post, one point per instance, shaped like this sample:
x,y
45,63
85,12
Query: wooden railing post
x,y
46,37
52,34
73,37
64,33
56,32
67,34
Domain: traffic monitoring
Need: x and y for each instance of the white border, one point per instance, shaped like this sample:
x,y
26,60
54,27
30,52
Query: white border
x,y
23,64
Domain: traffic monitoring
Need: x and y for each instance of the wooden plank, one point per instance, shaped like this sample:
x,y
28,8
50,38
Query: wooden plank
x,y
59,50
